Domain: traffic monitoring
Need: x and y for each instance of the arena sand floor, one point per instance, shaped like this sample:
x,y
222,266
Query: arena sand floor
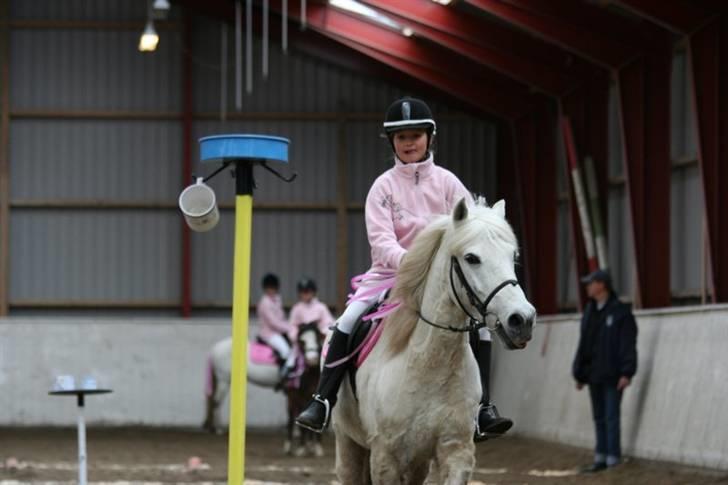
x,y
159,456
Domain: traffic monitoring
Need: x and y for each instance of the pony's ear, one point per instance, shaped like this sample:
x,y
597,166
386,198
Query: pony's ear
x,y
461,211
500,208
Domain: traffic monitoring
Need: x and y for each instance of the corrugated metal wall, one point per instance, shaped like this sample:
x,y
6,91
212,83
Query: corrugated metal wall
x,y
67,249
686,231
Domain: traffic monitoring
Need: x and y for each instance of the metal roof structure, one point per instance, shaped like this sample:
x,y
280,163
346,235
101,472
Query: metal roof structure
x,y
538,66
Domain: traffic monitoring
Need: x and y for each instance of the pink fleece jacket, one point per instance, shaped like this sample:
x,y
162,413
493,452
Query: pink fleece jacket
x,y
271,317
313,311
401,202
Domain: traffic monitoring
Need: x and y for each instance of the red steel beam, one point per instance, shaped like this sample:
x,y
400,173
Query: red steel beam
x,y
601,37
460,34
600,50
536,158
487,92
644,100
708,56
491,34
508,187
678,16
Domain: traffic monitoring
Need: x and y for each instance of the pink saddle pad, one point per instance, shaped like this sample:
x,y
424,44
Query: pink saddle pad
x,y
261,354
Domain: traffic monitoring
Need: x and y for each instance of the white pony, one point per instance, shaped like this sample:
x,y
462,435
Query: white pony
x,y
419,390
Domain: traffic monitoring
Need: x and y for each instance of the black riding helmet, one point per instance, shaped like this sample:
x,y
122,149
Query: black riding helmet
x,y
306,284
406,114
270,281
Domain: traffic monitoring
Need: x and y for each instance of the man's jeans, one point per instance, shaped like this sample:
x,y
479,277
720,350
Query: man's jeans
x,y
605,400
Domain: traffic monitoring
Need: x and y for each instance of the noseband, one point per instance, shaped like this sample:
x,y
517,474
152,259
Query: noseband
x,y
482,306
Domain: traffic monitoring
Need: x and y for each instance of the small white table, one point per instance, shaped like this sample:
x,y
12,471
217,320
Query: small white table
x,y
80,398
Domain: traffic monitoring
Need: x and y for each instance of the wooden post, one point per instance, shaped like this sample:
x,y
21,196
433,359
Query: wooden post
x,y
4,155
342,219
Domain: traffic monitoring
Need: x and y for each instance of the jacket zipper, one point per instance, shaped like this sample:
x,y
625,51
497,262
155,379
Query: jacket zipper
x,y
417,177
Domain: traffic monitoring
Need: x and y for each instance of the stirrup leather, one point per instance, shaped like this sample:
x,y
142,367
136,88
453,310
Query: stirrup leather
x,y
327,406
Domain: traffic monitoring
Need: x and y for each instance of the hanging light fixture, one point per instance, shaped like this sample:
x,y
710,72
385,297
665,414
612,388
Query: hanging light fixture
x,y
160,9
149,39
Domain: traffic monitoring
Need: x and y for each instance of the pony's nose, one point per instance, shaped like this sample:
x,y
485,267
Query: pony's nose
x,y
517,320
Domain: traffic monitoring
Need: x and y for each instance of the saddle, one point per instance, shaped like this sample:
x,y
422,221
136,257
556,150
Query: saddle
x,y
362,329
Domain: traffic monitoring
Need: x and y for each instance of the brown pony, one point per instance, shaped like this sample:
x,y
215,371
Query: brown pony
x,y
300,388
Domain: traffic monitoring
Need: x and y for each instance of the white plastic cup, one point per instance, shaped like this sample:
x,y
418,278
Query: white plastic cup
x,y
197,203
64,383
89,383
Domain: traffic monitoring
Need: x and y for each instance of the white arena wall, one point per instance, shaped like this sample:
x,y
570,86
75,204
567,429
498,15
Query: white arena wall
x,y
674,409
155,366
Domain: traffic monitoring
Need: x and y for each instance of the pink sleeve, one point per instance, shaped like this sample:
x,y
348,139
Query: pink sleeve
x,y
380,229
270,317
326,319
457,191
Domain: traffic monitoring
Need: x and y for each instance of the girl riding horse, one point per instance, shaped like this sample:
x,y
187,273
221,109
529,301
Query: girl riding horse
x,y
399,205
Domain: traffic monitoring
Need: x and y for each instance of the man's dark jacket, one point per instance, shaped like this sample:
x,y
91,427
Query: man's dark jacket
x,y
607,345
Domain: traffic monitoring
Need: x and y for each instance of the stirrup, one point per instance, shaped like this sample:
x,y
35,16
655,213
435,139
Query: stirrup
x,y
482,435
479,435
327,415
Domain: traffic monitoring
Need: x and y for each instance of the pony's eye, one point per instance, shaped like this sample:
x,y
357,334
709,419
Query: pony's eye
x,y
472,259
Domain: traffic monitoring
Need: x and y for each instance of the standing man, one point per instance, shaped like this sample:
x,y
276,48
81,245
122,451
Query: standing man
x,y
606,361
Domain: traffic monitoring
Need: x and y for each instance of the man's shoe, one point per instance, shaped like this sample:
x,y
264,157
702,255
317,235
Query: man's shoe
x,y
594,468
490,424
316,415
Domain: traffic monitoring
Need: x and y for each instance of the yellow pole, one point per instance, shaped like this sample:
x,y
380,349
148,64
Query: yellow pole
x,y
241,305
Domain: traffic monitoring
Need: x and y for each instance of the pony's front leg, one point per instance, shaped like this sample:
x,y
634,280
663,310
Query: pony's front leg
x,y
456,459
385,468
352,461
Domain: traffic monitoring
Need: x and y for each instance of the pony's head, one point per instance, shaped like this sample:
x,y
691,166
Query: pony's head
x,y
310,343
471,255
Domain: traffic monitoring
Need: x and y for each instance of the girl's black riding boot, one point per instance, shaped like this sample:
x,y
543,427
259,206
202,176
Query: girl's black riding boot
x,y
316,415
490,424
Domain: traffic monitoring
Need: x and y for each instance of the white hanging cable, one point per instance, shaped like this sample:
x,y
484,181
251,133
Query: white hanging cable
x,y
223,70
249,46
238,56
284,26
265,38
303,14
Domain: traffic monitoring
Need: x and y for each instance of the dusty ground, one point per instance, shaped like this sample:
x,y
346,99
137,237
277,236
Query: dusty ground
x,y
143,454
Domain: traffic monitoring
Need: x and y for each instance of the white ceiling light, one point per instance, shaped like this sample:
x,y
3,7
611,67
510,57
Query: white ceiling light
x,y
407,32
443,2
149,39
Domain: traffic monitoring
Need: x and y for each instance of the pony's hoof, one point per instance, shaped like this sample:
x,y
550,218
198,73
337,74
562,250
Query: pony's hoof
x,y
287,448
318,450
299,452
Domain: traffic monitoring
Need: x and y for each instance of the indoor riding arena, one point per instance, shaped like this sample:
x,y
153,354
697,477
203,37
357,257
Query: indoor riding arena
x,y
182,180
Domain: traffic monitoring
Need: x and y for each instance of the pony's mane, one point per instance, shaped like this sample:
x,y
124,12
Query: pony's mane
x,y
482,222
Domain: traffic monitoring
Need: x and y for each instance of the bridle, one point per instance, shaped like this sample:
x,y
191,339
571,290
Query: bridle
x,y
474,323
